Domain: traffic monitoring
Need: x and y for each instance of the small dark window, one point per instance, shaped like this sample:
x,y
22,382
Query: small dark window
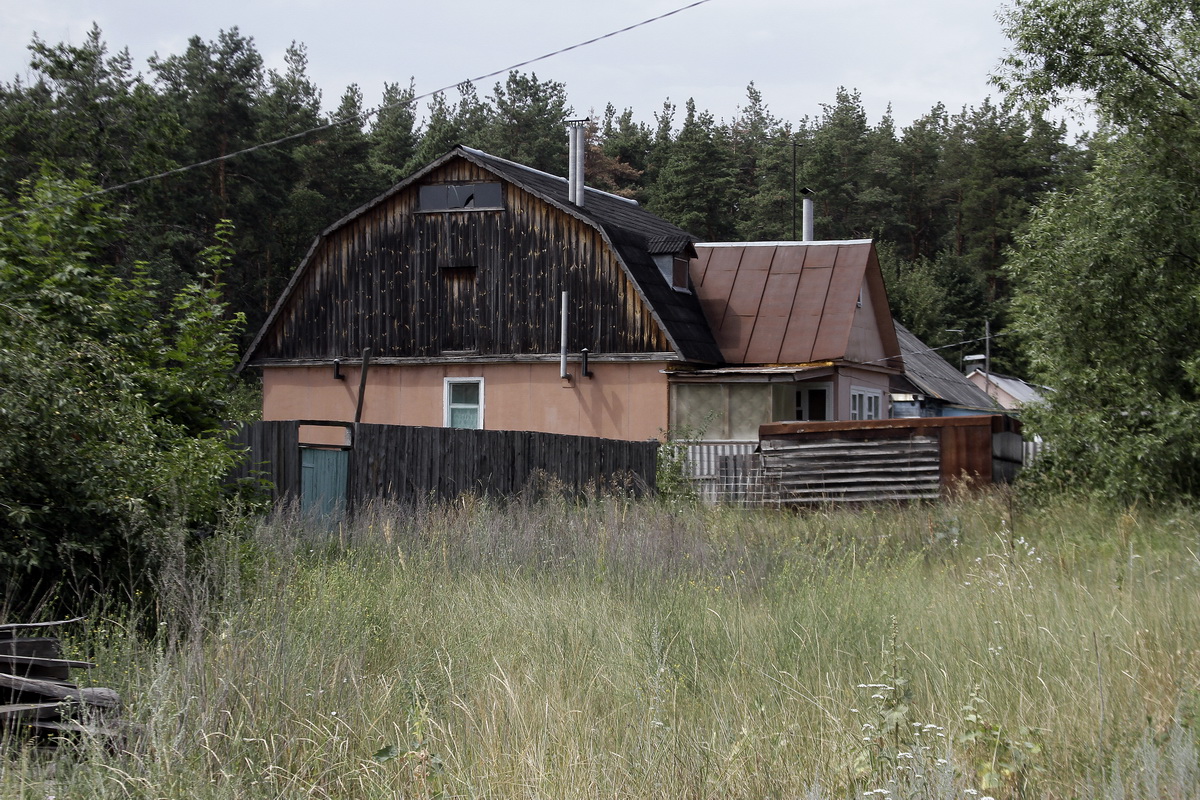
x,y
679,276
452,196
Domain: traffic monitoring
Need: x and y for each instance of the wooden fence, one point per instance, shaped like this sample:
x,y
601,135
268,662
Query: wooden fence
x,y
809,463
406,464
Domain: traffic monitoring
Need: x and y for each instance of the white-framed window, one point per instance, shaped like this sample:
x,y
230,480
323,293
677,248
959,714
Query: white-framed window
x,y
866,403
814,402
464,403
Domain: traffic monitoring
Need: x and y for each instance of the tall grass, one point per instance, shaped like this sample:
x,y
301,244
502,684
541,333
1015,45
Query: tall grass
x,y
625,649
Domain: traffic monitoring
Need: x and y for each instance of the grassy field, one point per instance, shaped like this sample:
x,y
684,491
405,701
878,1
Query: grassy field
x,y
626,649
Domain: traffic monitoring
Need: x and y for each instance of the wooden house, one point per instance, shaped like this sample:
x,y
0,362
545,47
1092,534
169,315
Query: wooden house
x,y
482,293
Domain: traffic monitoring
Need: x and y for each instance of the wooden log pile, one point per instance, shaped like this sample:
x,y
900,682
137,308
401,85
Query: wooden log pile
x,y
36,696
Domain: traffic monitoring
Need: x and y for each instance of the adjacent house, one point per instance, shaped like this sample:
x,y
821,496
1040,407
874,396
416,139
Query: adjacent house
x,y
804,332
1011,394
481,293
931,386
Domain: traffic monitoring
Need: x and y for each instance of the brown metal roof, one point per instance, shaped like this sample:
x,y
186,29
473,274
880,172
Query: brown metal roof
x,y
790,302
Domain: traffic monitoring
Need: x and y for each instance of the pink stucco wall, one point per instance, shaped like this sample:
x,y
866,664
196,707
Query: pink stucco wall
x,y
622,400
850,378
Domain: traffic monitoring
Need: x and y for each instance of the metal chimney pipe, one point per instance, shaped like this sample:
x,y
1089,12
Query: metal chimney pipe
x,y
806,230
571,162
576,141
580,150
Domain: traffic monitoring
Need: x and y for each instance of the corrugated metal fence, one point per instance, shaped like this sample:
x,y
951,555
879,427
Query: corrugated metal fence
x,y
405,464
726,472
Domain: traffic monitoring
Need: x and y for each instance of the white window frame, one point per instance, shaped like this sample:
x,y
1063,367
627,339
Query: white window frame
x,y
446,405
866,403
803,412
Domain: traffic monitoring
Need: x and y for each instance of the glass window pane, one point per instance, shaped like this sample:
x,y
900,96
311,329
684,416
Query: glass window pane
x,y
465,417
487,195
464,393
749,407
700,407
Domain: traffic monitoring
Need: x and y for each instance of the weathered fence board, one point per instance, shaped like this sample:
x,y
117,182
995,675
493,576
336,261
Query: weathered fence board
x,y
885,460
405,464
35,696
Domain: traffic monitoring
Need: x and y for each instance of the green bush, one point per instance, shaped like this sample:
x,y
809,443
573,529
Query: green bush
x,y
111,399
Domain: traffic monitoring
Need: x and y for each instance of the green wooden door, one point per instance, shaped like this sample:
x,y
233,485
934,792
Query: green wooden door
x,y
323,480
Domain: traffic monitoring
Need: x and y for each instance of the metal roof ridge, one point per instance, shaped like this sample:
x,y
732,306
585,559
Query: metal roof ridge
x,y
786,244
545,174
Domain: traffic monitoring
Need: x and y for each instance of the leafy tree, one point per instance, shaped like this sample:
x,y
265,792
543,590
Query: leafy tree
x,y
1107,305
110,411
1106,276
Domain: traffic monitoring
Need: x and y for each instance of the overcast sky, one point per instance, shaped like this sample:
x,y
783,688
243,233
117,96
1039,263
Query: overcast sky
x,y
910,53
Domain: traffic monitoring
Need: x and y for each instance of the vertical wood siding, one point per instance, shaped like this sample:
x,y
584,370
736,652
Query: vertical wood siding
x,y
411,284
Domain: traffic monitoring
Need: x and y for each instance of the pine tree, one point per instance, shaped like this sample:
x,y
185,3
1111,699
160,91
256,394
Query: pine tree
x,y
528,122
393,133
695,187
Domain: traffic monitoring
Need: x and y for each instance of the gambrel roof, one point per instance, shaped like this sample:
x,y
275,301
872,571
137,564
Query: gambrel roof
x,y
634,236
637,235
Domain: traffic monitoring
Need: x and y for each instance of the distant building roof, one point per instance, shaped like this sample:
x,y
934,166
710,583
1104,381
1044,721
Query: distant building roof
x,y
935,376
1012,393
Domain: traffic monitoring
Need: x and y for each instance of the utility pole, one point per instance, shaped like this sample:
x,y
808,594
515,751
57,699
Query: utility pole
x,y
795,146
987,357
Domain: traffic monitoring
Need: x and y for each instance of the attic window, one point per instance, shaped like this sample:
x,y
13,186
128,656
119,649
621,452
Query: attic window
x,y
454,196
674,269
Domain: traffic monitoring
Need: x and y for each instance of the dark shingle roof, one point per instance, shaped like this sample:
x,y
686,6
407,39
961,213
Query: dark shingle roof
x,y
935,376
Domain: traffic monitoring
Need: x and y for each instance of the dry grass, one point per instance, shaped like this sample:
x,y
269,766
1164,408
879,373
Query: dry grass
x,y
621,649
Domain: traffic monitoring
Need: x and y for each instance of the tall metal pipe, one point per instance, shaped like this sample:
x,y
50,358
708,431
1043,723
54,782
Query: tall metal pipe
x,y
576,146
580,149
562,359
806,231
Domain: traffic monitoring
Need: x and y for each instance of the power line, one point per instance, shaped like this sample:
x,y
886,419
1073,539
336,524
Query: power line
x,y
928,349
375,111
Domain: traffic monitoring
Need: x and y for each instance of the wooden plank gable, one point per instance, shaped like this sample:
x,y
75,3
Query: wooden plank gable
x,y
410,283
